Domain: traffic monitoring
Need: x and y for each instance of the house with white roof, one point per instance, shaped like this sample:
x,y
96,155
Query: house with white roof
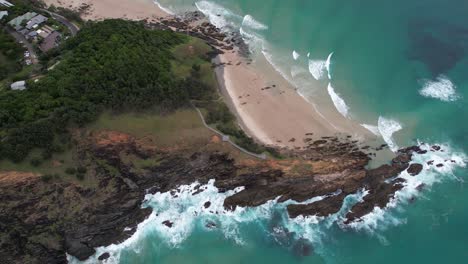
x,y
6,3
18,86
3,14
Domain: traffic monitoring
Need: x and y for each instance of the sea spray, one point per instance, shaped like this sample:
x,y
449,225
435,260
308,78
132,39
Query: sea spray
x,y
387,127
339,103
442,88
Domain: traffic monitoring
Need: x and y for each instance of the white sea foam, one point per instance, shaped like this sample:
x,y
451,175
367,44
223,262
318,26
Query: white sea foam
x,y
165,9
185,209
218,15
327,65
296,70
250,22
254,41
308,54
295,55
442,88
372,128
339,103
381,219
317,68
387,127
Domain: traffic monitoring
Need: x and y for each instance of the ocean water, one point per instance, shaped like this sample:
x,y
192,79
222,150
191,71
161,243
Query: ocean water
x,y
398,67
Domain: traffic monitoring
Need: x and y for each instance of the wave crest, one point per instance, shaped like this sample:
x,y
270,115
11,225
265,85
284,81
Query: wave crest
x,y
218,15
339,103
387,127
442,89
250,22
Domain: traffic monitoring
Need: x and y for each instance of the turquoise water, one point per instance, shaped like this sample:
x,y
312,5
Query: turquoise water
x,y
405,61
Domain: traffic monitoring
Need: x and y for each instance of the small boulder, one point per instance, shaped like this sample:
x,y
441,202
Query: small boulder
x,y
207,204
168,223
104,256
415,169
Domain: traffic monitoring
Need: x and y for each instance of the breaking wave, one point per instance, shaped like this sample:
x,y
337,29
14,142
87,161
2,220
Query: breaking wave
x,y
218,15
442,89
317,68
438,166
165,9
387,127
187,210
339,103
250,22
327,65
295,55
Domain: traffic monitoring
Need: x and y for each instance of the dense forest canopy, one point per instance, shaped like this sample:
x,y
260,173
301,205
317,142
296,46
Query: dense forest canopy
x,y
10,55
113,64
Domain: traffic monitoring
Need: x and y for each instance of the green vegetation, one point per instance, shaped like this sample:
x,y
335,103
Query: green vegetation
x,y
10,55
115,64
111,74
179,127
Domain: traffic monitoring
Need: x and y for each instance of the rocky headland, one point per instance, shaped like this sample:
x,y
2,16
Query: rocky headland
x,y
41,221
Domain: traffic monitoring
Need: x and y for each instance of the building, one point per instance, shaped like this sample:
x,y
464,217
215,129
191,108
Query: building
x,y
50,42
16,22
18,86
3,14
5,3
31,35
45,31
36,21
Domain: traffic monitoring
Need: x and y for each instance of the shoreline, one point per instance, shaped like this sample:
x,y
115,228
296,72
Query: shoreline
x,y
268,108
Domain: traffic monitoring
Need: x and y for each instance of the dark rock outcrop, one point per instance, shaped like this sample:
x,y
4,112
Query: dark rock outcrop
x,y
415,169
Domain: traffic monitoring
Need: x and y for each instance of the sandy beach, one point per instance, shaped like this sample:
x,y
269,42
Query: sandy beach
x,y
102,9
267,106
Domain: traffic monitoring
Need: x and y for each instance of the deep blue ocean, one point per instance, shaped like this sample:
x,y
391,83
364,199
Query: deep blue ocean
x,y
398,67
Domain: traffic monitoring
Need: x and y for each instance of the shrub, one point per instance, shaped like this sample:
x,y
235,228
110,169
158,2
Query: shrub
x,y
80,176
70,171
36,162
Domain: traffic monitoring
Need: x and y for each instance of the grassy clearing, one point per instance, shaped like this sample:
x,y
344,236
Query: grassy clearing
x,y
180,127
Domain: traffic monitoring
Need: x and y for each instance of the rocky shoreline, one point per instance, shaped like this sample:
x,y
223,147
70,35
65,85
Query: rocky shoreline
x,y
76,219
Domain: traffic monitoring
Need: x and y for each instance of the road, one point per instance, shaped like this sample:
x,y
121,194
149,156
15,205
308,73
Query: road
x,y
72,27
20,38
227,139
